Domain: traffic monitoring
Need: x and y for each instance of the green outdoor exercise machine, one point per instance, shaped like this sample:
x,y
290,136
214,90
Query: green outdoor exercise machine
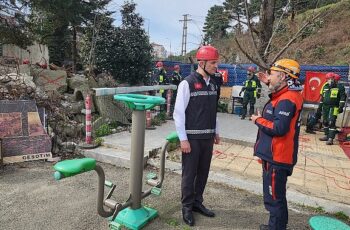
x,y
327,223
131,213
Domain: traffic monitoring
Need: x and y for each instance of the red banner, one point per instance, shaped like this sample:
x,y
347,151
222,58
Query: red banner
x,y
313,85
224,73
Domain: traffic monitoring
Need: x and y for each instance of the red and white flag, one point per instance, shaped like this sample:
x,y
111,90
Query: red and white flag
x,y
224,73
313,85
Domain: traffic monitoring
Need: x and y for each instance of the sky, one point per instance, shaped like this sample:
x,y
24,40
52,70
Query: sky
x,y
162,20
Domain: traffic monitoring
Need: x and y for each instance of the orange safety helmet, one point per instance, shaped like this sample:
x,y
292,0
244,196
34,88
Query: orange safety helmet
x,y
176,67
251,69
332,75
159,64
206,53
288,66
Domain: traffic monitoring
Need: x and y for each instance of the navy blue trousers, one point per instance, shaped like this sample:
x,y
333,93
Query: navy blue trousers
x,y
195,170
275,201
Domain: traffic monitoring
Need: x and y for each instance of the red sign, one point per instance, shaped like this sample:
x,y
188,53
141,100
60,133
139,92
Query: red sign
x,y
224,73
313,85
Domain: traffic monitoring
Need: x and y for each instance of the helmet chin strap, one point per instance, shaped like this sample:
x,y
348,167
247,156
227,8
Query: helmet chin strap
x,y
206,72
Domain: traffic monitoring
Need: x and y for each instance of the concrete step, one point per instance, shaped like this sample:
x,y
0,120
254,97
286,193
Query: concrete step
x,y
114,156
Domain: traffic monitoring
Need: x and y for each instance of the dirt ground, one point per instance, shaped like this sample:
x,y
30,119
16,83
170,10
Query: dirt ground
x,y
31,199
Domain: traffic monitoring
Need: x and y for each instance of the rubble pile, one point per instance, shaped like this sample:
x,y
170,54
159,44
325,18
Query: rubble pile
x,y
17,87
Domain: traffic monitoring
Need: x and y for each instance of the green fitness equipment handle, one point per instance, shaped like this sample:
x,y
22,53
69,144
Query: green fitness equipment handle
x,y
74,167
172,137
139,101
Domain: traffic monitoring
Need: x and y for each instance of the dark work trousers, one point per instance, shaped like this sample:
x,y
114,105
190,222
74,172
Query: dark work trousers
x,y
249,97
274,187
195,170
173,100
329,119
163,95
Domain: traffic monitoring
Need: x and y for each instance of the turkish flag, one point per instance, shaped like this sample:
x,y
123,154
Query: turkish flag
x,y
313,85
224,73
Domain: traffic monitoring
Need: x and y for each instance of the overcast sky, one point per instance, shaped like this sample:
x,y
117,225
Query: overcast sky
x,y
162,20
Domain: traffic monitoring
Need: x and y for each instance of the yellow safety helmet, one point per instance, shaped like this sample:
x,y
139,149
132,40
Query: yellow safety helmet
x,y
288,66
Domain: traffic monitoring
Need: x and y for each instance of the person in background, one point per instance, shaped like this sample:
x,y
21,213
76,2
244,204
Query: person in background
x,y
278,137
196,125
160,78
252,91
176,78
332,103
219,82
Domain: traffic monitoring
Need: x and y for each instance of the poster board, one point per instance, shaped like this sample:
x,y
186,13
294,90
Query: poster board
x,y
22,132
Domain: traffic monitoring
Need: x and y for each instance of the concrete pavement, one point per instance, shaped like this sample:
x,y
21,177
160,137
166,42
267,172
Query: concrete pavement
x,y
321,177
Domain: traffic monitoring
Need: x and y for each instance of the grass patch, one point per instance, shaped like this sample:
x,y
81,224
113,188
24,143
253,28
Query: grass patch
x,y
103,130
173,222
342,216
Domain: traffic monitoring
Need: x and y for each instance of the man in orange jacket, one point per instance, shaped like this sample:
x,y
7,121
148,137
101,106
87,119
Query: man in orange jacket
x,y
277,140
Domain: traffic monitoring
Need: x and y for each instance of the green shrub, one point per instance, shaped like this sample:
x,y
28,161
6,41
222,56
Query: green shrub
x,y
319,52
103,130
162,116
156,121
222,107
99,141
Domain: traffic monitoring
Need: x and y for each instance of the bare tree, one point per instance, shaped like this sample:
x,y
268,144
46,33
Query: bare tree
x,y
261,35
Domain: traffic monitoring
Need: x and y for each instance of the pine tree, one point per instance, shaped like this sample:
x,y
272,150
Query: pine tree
x,y
216,23
132,49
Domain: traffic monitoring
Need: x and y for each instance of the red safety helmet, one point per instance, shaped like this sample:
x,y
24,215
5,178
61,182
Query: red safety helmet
x,y
251,69
176,67
206,53
332,75
337,77
159,64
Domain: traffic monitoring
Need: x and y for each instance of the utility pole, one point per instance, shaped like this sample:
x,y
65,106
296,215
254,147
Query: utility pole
x,y
184,34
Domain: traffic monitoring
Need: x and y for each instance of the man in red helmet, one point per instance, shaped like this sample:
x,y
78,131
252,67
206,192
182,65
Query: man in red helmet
x,y
159,77
195,121
332,103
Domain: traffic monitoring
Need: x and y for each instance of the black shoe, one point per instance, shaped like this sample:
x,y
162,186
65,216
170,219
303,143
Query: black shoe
x,y
187,216
325,138
263,227
329,141
242,118
203,210
310,131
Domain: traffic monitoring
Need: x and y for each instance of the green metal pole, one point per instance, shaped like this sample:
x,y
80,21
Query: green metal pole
x,y
136,158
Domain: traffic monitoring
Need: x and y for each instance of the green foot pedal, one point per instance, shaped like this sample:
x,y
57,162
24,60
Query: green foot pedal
x,y
156,191
152,176
114,226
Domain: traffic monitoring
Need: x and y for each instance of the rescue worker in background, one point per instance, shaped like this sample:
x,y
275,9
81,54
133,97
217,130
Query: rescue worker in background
x,y
196,125
160,78
252,91
278,135
176,78
219,82
332,103
314,118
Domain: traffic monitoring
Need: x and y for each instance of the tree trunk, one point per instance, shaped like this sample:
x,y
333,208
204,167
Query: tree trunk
x,y
267,18
75,52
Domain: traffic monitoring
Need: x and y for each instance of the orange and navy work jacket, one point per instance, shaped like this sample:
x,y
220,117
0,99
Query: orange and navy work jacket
x,y
279,127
